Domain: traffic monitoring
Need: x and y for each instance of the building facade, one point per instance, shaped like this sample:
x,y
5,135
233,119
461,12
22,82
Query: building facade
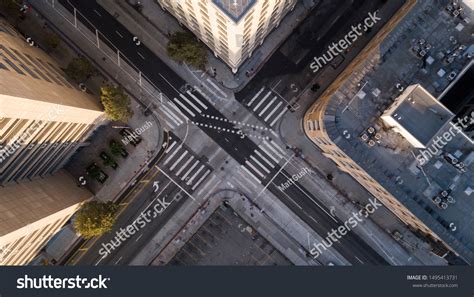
x,y
232,29
44,119
32,212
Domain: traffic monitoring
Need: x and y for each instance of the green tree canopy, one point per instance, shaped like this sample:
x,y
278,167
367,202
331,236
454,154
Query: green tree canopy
x,y
183,47
95,218
80,69
51,41
116,103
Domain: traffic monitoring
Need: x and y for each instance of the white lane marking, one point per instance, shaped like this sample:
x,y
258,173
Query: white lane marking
x,y
255,97
272,149
268,154
230,185
170,147
242,185
195,174
120,259
201,179
311,217
254,169
261,101
177,109
264,159
184,107
267,107
207,185
172,155
141,56
190,103
278,117
359,260
197,100
260,164
172,115
168,82
119,34
179,160
310,198
273,111
205,95
184,165
174,182
217,87
190,169
138,238
251,174
278,148
97,13
244,176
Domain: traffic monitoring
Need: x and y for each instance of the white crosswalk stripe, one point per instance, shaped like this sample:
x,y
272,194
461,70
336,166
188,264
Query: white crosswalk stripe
x,y
197,100
264,159
171,115
250,174
273,111
268,106
189,170
201,179
190,103
265,150
260,164
171,147
184,165
190,181
261,101
269,110
181,162
254,169
185,107
256,96
272,148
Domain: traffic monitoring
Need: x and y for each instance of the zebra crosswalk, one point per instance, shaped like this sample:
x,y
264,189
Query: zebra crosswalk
x,y
263,162
183,164
184,106
267,106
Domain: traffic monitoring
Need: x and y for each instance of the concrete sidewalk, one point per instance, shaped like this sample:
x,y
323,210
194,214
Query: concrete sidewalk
x,y
152,18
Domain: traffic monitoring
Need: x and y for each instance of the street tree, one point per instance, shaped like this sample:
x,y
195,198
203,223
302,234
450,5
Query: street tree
x,y
183,47
116,103
80,69
95,218
51,41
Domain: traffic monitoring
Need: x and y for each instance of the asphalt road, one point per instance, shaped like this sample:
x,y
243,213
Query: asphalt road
x,y
240,149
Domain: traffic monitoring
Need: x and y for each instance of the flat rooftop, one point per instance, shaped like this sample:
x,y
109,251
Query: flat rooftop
x,y
359,103
235,9
227,239
419,114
